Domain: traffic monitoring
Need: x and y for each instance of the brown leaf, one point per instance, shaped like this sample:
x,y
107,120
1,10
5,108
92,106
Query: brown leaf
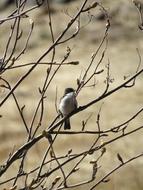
x,y
120,158
106,180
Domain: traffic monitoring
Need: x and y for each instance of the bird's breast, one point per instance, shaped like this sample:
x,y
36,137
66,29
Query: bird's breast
x,y
67,104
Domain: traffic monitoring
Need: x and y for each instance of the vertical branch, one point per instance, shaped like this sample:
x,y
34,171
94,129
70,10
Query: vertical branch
x,y
51,142
17,104
139,6
17,35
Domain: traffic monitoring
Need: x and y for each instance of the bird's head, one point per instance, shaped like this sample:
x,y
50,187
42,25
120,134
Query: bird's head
x,y
68,90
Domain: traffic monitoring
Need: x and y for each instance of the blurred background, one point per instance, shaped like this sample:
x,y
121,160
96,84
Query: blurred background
x,y
123,40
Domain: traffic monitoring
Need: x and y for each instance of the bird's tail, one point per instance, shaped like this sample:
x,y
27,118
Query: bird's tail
x,y
67,124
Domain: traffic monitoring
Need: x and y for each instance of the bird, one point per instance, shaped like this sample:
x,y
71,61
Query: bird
x,y
68,103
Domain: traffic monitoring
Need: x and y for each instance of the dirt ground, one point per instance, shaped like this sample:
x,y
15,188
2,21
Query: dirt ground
x,y
123,41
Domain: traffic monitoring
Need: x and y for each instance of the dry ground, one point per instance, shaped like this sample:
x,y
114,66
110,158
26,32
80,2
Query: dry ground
x,y
124,38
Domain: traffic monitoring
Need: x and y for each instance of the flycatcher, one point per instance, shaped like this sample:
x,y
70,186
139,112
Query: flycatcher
x,y
67,104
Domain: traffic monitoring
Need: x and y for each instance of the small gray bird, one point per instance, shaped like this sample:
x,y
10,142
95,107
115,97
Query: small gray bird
x,y
67,104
